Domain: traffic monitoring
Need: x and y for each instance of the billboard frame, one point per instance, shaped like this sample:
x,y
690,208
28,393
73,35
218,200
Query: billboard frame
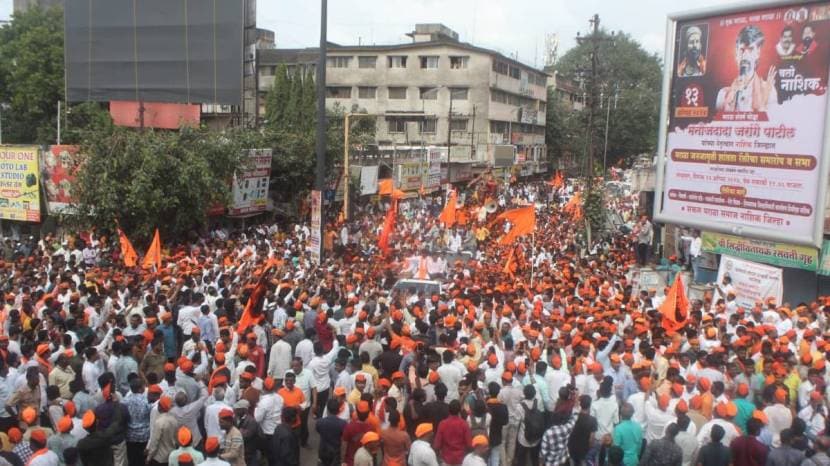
x,y
672,20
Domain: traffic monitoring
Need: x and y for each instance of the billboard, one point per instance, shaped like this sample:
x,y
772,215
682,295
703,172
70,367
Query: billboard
x,y
178,51
745,99
58,167
19,183
315,242
250,186
154,114
766,252
753,282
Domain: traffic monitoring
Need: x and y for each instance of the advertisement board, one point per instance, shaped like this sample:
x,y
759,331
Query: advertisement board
x,y
766,252
752,281
745,98
315,242
19,183
58,168
824,260
250,185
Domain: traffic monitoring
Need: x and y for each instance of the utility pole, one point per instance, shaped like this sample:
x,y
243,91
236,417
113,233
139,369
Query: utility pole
x,y
59,122
320,146
449,143
607,121
594,39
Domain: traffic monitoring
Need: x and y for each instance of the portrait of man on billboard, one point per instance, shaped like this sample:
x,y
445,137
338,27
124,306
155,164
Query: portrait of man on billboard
x,y
748,91
808,40
692,56
786,43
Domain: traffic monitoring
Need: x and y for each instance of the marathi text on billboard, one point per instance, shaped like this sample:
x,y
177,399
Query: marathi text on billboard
x,y
766,252
19,183
746,121
315,242
250,186
753,282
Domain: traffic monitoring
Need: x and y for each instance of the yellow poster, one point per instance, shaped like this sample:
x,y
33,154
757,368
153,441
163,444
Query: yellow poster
x,y
19,183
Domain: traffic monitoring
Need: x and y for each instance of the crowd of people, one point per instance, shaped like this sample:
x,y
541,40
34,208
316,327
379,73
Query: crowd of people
x,y
241,350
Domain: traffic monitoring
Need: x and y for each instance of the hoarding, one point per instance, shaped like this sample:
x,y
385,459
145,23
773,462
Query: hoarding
x,y
59,165
19,183
745,98
154,50
766,252
154,114
753,282
250,185
315,242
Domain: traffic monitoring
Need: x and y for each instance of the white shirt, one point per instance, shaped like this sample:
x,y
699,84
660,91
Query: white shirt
x,y
279,359
188,318
638,402
450,376
304,351
473,460
268,412
780,418
212,419
320,369
214,462
607,413
695,247
90,373
48,458
730,432
422,454
656,421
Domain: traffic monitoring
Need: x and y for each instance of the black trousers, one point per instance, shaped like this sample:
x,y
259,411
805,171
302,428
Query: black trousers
x,y
526,455
266,446
135,453
304,426
642,253
322,398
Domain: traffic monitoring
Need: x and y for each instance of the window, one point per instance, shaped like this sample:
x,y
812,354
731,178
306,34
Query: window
x,y
366,92
429,93
500,67
338,62
458,93
515,72
428,125
396,125
458,124
498,127
338,92
367,62
397,93
269,70
397,61
459,63
429,63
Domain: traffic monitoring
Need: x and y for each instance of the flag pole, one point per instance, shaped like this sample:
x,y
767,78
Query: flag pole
x,y
533,257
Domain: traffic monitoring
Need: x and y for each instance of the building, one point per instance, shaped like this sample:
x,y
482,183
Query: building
x,y
434,92
23,5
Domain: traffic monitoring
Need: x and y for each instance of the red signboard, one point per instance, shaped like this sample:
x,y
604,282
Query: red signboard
x,y
155,114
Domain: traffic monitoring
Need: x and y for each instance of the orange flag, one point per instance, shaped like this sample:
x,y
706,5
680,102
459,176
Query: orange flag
x,y
153,256
253,308
398,194
523,220
385,187
572,205
675,309
509,266
388,226
447,216
422,269
127,250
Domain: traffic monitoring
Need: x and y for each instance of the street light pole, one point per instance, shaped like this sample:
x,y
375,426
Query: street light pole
x,y
320,146
449,142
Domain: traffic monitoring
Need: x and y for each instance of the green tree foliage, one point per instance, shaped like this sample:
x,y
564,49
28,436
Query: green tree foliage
x,y
289,129
634,76
31,75
164,179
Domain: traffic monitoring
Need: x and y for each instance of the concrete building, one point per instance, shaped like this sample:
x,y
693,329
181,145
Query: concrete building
x,y
434,92
23,5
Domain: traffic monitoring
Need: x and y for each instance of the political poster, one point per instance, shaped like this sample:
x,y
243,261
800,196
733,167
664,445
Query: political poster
x,y
766,252
315,242
753,282
746,115
250,185
19,183
58,168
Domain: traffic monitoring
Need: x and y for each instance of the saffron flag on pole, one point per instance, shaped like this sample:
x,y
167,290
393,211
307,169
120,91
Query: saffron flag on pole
x,y
675,309
127,251
153,256
509,266
388,227
252,313
448,216
385,187
523,220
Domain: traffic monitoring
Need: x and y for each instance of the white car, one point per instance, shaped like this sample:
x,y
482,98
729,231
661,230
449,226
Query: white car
x,y
426,288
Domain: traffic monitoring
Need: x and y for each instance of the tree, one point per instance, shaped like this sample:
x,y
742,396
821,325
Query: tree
x,y
149,179
631,74
31,75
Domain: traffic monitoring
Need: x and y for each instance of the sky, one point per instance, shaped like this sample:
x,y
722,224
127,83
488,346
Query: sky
x,y
518,27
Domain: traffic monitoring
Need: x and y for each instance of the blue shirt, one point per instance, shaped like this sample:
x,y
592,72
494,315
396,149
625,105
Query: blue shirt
x,y
169,332
138,429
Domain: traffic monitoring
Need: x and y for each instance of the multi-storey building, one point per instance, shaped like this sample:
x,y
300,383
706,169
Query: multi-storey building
x,y
434,92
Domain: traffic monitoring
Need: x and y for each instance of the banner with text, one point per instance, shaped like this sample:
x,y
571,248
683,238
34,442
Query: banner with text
x,y
746,121
766,252
19,183
250,185
315,242
59,166
752,281
824,260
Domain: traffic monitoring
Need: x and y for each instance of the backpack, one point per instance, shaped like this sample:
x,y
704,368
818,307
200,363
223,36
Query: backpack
x,y
534,423
478,425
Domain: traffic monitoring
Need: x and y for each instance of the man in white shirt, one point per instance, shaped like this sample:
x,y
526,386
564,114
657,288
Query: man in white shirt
x,y
695,249
268,413
279,359
212,414
421,452
450,375
320,369
91,370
